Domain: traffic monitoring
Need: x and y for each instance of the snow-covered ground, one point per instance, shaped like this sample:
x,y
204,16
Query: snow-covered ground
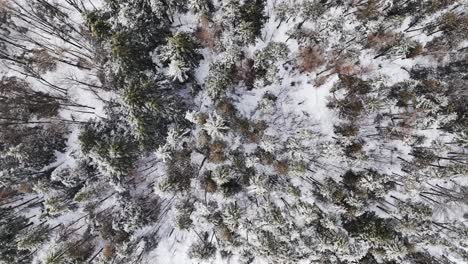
x,y
275,139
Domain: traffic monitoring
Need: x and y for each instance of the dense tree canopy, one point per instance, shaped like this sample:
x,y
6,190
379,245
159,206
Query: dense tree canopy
x,y
213,131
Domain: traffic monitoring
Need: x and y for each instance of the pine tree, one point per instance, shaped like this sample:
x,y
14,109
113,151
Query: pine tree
x,y
10,227
265,62
181,54
202,250
32,238
220,78
243,22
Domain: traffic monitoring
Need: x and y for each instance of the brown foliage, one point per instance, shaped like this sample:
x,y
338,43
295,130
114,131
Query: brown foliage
x,y
210,185
343,66
241,125
353,149
25,187
217,152
224,233
438,47
347,129
108,251
349,69
226,109
80,251
246,72
369,11
415,51
380,41
435,5
6,193
43,60
203,139
257,132
346,69
208,33
321,80
430,86
5,9
454,27
310,58
282,167
451,22
201,118
218,146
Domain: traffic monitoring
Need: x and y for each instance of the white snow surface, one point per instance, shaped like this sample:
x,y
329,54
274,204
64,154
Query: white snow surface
x,y
298,97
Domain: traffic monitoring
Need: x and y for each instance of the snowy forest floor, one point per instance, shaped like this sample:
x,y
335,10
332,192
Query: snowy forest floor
x,y
224,131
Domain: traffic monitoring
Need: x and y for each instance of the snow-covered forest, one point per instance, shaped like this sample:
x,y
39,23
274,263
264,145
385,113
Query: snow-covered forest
x,y
234,131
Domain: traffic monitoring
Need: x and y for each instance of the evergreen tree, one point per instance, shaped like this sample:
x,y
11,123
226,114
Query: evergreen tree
x,y
181,54
10,227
